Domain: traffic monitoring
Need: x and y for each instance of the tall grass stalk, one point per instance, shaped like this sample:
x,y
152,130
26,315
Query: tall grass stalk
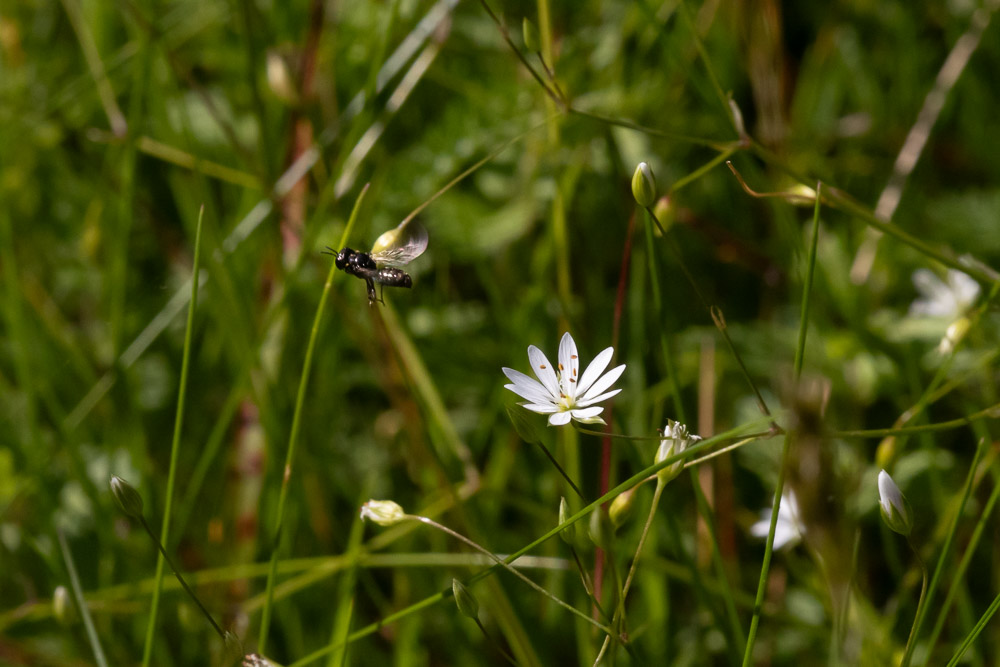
x,y
787,444
81,602
279,517
918,622
175,446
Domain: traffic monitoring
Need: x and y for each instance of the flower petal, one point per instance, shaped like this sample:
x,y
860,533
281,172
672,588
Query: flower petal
x,y
584,402
569,366
604,382
527,387
559,419
541,367
964,288
594,370
586,413
541,408
531,396
784,535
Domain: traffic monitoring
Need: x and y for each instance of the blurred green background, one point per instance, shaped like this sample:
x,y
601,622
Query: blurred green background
x,y
119,120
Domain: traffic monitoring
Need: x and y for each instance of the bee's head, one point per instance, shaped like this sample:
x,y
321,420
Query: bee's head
x,y
343,257
407,281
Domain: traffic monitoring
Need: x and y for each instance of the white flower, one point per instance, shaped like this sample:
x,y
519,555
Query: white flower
x,y
893,506
789,529
383,512
939,299
563,393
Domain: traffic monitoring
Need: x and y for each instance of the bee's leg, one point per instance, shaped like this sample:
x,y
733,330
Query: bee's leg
x,y
381,293
371,291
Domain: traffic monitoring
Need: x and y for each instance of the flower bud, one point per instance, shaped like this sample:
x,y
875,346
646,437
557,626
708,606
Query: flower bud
x,y
621,508
386,240
464,599
62,606
956,332
600,528
675,440
126,497
279,77
383,512
644,185
532,42
893,506
569,532
737,115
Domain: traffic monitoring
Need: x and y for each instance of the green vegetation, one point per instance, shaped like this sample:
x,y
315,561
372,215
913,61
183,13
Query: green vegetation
x,y
808,285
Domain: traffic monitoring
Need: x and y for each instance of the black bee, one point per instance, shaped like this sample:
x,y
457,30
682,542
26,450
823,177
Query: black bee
x,y
393,249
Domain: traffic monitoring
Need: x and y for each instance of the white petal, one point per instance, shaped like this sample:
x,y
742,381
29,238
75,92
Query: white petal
x,y
784,534
761,528
569,365
541,408
604,382
531,396
541,367
594,370
527,387
559,418
584,402
963,287
586,413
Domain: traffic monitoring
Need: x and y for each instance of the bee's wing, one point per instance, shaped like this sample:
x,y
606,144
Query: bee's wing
x,y
400,245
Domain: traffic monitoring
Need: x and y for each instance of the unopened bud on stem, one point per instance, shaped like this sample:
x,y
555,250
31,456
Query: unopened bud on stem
x,y
644,185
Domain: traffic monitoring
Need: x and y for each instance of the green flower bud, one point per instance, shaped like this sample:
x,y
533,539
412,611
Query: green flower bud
x,y
532,42
621,508
600,528
382,512
893,506
62,606
675,441
386,240
644,185
568,533
126,497
464,599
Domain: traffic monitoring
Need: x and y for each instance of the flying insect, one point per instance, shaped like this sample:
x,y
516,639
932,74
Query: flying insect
x,y
393,249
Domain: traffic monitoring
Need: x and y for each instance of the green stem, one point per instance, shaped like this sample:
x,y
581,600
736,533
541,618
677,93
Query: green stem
x,y
562,472
629,483
959,577
921,605
787,445
494,643
945,552
81,602
184,585
520,56
992,412
638,549
506,565
978,628
714,311
175,446
293,437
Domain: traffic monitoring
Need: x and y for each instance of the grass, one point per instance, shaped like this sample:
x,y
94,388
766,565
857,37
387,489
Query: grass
x,y
196,159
